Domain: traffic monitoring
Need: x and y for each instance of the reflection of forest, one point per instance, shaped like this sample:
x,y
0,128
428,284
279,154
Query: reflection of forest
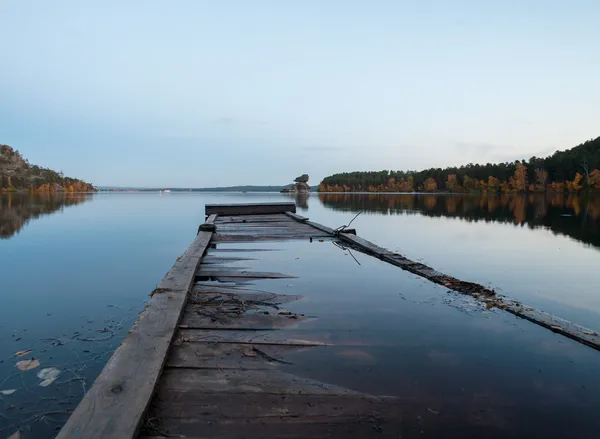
x,y
17,209
574,216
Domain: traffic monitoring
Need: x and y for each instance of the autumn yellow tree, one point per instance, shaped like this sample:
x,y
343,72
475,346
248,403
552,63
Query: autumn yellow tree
x,y
519,180
430,185
493,184
452,183
541,179
594,179
575,184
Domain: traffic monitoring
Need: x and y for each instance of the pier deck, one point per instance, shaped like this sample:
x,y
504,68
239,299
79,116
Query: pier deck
x,y
243,339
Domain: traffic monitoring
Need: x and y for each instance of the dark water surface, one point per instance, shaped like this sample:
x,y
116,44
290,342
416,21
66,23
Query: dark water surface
x,y
75,270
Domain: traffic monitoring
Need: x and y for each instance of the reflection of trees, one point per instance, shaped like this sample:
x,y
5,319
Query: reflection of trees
x,y
558,213
17,209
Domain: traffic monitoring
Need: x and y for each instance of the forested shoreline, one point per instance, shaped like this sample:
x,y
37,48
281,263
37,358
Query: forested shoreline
x,y
573,170
17,174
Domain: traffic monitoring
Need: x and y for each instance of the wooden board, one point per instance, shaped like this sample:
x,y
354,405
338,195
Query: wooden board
x,y
250,337
210,271
281,237
249,209
116,403
296,217
274,382
559,325
200,317
229,355
213,251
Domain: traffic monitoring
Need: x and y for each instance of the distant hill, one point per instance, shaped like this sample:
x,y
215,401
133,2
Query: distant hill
x,y
17,174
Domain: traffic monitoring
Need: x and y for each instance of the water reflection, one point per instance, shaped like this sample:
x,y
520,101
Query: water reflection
x,y
301,200
17,209
574,216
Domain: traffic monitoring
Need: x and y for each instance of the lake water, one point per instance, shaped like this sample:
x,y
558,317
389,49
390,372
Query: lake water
x,y
76,269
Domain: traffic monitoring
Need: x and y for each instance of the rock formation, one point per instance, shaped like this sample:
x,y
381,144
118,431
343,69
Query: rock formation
x,y
301,185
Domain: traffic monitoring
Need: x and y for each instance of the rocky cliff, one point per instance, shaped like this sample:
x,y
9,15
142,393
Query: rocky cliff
x,y
300,186
17,174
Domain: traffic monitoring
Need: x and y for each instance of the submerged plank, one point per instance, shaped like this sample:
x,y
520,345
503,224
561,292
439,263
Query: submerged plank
x,y
201,317
198,382
240,250
250,337
216,260
117,401
209,271
216,296
229,355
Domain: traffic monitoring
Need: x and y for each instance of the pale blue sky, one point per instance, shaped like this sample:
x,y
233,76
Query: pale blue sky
x,y
203,93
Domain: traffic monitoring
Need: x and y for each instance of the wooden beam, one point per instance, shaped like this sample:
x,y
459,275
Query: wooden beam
x,y
249,209
296,217
119,398
556,324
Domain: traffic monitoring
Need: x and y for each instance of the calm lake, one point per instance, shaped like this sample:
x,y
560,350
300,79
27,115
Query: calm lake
x,y
76,270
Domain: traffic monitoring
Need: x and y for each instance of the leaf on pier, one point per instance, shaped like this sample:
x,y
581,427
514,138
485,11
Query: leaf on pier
x,y
48,376
249,352
7,391
23,353
28,364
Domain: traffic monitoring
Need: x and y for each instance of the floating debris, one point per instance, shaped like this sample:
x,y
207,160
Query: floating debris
x,y
28,364
23,353
7,391
48,376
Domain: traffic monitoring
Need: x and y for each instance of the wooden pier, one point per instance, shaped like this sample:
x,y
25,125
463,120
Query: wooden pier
x,y
206,357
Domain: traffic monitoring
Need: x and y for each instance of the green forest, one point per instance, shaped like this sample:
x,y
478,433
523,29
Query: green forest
x,y
573,170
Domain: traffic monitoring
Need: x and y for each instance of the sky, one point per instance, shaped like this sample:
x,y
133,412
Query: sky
x,y
195,93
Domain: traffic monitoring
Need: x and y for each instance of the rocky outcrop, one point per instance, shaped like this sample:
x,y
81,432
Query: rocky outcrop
x,y
300,186
16,174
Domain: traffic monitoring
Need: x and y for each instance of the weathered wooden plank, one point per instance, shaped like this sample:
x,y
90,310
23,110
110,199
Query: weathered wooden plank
x,y
249,209
314,429
117,401
296,217
251,337
213,251
247,218
175,404
263,229
229,355
199,382
216,260
200,317
268,232
248,238
255,219
556,324
209,271
216,296
181,276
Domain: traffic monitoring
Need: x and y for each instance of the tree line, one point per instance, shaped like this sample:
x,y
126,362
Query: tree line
x,y
574,170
